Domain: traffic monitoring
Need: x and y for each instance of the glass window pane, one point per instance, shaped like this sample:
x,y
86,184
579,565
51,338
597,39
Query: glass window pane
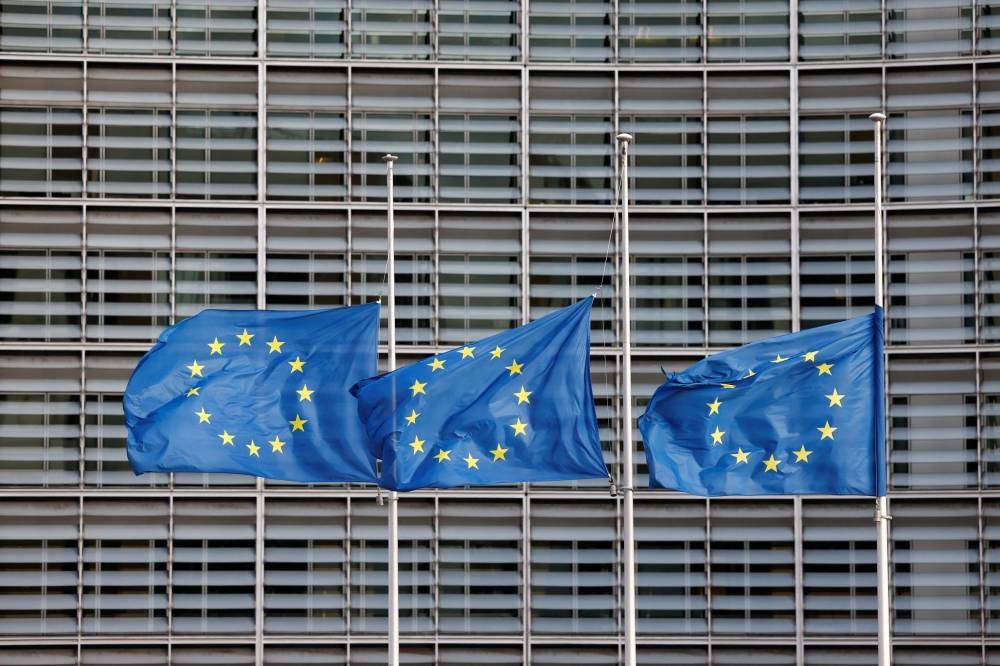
x,y
391,30
931,292
658,31
928,29
839,569
935,560
839,31
128,26
39,418
932,433
573,581
306,134
748,139
227,28
753,568
747,30
571,151
484,30
930,135
479,582
305,566
836,267
40,270
571,30
749,278
38,573
664,113
214,570
306,28
480,138
54,26
671,567
125,566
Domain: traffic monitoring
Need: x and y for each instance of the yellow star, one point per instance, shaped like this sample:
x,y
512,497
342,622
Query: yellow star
x,y
297,364
771,464
515,368
522,396
835,398
713,407
305,393
227,438
499,452
496,352
802,455
827,431
778,358
443,455
727,385
254,449
274,345
245,338
467,352
412,418
824,368
194,391
810,356
717,436
195,369
417,445
298,423
203,416
216,347
276,445
472,462
418,387
741,456
519,428
750,373
436,364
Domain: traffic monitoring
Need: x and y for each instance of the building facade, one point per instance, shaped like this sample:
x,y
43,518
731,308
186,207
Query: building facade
x,y
162,156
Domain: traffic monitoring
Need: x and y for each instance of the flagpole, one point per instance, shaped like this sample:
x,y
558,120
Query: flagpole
x,y
628,507
882,516
393,564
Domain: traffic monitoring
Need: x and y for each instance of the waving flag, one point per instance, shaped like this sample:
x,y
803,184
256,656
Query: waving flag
x,y
255,392
796,414
517,406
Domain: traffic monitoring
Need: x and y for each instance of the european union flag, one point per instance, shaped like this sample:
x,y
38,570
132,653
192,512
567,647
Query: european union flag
x,y
796,414
517,406
255,392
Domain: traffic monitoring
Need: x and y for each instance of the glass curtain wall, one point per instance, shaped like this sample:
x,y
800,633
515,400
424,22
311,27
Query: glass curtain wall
x,y
158,157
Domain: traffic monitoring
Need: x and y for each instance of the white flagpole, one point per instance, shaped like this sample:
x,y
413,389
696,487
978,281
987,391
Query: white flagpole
x,y
393,564
628,507
882,516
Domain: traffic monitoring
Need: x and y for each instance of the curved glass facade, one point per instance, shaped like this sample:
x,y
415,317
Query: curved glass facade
x,y
162,156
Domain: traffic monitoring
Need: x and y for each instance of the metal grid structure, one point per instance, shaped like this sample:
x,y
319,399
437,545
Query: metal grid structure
x,y
163,156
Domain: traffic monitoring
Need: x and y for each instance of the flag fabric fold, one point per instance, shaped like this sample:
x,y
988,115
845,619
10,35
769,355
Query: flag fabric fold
x,y
801,413
256,392
517,406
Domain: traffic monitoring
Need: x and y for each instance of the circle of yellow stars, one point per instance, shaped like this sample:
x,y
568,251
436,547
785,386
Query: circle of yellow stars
x,y
437,364
275,346
772,464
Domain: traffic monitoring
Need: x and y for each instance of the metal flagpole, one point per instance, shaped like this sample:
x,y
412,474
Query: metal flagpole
x,y
393,584
627,490
882,516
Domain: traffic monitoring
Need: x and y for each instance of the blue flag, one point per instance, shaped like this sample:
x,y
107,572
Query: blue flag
x,y
255,392
517,406
797,414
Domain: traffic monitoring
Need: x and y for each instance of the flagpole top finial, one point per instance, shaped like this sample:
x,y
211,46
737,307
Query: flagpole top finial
x,y
877,117
389,157
624,136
